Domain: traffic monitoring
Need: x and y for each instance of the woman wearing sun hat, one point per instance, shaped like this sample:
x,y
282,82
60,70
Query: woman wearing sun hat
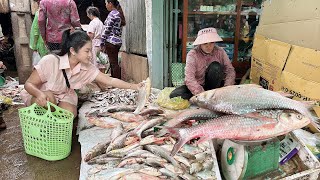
x,y
207,66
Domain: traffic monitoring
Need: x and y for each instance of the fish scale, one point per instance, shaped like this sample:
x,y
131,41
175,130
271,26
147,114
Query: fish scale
x,y
242,99
241,127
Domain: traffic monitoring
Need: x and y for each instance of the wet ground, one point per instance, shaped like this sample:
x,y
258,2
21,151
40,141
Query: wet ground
x,y
15,164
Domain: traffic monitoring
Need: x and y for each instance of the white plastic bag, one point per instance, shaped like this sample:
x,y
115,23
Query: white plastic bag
x,y
35,58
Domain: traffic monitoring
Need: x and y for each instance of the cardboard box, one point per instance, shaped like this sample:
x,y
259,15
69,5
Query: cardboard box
x,y
283,11
285,53
268,60
296,22
280,66
301,33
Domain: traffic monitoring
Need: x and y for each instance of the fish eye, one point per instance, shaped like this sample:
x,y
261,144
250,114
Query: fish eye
x,y
299,116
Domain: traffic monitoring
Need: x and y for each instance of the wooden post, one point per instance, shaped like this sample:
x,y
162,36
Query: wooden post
x,y
185,30
21,24
237,34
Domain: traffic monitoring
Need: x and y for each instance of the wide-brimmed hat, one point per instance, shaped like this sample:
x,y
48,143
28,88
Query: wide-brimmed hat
x,y
207,35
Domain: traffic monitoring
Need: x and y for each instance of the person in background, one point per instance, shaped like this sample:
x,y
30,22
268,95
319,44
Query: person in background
x,y
55,16
111,37
3,106
94,31
207,66
36,42
56,76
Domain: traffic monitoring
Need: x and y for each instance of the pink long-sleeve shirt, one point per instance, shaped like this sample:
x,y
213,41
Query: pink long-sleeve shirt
x,y
55,16
196,64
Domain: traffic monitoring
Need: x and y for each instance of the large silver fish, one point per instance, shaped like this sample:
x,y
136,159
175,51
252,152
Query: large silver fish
x,y
143,96
260,125
243,99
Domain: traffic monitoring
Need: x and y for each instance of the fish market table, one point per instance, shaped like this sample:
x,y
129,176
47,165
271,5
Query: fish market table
x,y
155,162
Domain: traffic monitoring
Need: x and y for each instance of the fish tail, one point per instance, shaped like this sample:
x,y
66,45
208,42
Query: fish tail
x,y
182,138
309,104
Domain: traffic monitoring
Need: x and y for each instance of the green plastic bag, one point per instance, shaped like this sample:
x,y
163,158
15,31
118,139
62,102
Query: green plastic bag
x,y
175,103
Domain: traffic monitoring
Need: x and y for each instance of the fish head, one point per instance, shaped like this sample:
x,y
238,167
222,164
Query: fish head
x,y
294,120
203,98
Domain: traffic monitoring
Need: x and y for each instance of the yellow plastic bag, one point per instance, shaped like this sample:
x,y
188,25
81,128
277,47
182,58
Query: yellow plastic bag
x,y
5,100
175,103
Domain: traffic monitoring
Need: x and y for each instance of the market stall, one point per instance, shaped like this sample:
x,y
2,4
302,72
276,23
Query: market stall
x,y
115,142
95,140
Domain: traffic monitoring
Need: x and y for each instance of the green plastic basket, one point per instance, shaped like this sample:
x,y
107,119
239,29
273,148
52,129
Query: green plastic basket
x,y
46,134
177,74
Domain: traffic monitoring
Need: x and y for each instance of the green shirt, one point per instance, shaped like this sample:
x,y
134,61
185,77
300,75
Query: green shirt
x,y
36,41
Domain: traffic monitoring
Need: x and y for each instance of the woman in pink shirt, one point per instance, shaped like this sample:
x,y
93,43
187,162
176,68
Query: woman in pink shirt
x,y
55,77
207,66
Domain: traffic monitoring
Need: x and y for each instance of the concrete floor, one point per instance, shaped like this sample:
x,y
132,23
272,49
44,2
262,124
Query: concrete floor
x,y
15,164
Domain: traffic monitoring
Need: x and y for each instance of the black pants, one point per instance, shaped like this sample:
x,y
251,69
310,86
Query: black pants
x,y
213,79
112,51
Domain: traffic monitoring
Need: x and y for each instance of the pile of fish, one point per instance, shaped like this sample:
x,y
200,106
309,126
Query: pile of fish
x,y
115,96
137,149
113,116
129,115
11,89
141,154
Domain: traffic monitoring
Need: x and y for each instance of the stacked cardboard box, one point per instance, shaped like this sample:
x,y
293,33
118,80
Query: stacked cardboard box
x,y
286,51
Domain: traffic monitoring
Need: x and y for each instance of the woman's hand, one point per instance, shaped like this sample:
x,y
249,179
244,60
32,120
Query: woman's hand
x,y
140,85
2,66
42,99
137,86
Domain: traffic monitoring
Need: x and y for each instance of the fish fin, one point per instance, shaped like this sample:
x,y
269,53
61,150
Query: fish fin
x,y
309,104
252,85
202,139
288,95
315,123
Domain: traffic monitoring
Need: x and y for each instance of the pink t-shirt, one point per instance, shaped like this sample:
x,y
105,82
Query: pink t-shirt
x,y
197,64
50,72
